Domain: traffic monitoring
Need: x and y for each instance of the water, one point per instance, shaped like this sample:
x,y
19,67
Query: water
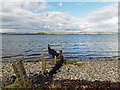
x,y
75,47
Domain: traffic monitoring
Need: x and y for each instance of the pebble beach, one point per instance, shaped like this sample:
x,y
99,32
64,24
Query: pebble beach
x,y
107,70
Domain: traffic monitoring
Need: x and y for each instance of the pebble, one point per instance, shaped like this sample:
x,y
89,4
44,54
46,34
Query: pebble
x,y
91,70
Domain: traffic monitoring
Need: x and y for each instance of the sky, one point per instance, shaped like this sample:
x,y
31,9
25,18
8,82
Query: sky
x,y
30,17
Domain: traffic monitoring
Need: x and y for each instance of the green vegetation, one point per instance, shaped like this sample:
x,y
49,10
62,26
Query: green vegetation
x,y
16,84
56,33
52,62
75,62
79,64
71,62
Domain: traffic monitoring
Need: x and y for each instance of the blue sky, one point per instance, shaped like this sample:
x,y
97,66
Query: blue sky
x,y
76,9
60,17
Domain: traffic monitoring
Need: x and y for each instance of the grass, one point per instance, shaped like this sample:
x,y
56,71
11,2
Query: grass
x,y
56,33
75,62
16,84
79,64
52,62
71,62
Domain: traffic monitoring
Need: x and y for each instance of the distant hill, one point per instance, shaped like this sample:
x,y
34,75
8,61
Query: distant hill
x,y
56,33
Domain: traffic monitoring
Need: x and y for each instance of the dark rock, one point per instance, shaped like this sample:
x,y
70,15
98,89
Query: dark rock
x,y
12,79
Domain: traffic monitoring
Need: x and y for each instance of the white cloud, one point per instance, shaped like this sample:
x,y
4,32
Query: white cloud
x,y
26,21
60,0
35,5
109,0
23,20
102,20
6,30
16,18
60,4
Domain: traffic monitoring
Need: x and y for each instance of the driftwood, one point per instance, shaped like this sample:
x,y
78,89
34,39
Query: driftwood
x,y
57,65
39,79
47,77
21,73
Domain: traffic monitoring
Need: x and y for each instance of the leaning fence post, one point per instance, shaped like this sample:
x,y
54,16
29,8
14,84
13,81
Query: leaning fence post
x,y
55,60
21,73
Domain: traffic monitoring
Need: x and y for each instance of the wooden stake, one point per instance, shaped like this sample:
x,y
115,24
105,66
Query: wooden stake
x,y
55,60
42,64
45,65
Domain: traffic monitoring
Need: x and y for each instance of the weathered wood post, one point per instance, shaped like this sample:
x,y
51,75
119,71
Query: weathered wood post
x,y
42,64
55,60
21,73
45,65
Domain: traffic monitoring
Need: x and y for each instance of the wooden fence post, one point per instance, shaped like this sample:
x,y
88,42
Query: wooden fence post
x,y
45,65
42,64
55,60
21,73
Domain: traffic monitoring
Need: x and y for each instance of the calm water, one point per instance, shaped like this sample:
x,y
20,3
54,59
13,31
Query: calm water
x,y
29,47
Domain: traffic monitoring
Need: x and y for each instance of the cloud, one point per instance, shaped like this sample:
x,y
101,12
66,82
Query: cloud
x,y
7,30
101,20
17,18
60,4
25,21
35,5
109,0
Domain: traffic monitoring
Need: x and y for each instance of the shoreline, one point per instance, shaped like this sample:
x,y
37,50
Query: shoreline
x,y
105,70
36,59
59,33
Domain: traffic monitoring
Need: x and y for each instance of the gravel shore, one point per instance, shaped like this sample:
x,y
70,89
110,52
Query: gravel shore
x,y
90,70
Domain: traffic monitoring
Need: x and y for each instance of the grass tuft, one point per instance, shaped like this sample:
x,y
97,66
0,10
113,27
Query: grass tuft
x,y
75,62
16,84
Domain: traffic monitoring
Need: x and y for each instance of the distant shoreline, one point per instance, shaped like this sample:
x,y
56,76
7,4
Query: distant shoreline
x,y
58,33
